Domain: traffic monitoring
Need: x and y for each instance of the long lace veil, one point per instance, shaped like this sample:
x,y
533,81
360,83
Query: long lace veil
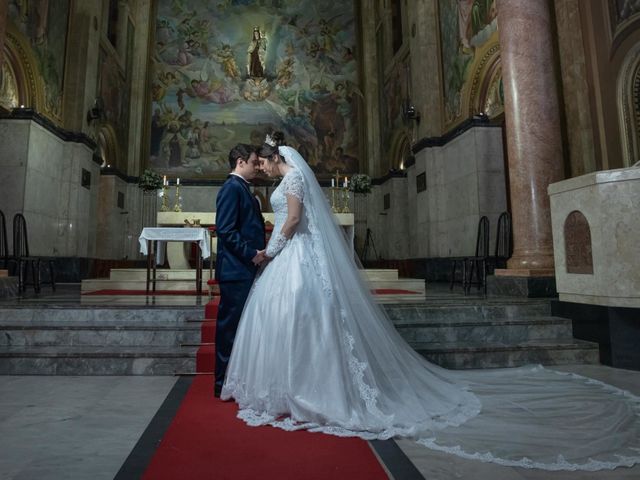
x,y
529,417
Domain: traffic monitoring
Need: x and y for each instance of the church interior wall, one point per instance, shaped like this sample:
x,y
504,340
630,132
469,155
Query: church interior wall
x,y
44,183
437,222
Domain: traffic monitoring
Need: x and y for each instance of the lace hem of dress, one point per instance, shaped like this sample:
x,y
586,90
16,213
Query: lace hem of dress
x,y
272,401
257,419
560,464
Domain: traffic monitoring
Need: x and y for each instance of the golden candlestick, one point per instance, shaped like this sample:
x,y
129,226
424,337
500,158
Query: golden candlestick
x,y
341,190
165,202
177,207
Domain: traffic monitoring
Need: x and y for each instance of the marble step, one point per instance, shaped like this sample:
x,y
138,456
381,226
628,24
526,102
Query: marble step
x,y
381,274
92,285
481,354
480,310
92,315
52,334
108,360
140,274
124,274
509,331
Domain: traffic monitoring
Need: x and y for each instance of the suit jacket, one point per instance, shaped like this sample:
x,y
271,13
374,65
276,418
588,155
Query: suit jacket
x,y
240,231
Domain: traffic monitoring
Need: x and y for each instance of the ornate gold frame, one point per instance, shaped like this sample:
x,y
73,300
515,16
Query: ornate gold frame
x,y
23,63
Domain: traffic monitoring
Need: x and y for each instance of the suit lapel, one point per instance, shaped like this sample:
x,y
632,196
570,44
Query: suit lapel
x,y
254,200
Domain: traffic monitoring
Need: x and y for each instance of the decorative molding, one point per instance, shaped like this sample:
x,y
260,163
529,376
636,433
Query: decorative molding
x,y
388,176
620,28
429,142
24,65
628,100
48,124
482,76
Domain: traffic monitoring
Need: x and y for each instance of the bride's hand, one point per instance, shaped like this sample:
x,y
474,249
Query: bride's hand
x,y
259,258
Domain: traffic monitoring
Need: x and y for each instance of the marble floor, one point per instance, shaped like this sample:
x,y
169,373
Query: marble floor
x,y
73,428
85,427
56,427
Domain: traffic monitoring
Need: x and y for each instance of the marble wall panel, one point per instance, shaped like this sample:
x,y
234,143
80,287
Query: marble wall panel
x,y
197,198
465,180
46,151
14,138
489,149
12,192
113,224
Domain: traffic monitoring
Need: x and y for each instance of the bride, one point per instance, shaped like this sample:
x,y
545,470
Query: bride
x,y
314,351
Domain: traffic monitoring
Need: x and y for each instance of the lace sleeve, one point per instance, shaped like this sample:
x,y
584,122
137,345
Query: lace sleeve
x,y
294,186
276,243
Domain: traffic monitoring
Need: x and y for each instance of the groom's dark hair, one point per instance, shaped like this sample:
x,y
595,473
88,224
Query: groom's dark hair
x,y
241,150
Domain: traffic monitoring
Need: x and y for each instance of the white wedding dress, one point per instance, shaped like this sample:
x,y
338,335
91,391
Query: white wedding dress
x,y
314,351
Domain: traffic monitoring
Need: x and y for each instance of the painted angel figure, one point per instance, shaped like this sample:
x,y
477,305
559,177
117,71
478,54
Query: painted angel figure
x,y
224,56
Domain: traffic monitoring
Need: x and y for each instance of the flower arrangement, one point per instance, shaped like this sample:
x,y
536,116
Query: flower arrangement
x,y
150,181
360,183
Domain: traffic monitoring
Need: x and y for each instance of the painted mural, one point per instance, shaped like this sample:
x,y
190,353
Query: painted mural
x,y
465,27
44,24
230,71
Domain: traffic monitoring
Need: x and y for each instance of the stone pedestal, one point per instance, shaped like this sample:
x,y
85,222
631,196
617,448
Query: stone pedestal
x,y
524,285
596,232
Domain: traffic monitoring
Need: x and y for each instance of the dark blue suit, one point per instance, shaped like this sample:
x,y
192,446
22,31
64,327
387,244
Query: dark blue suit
x,y
240,231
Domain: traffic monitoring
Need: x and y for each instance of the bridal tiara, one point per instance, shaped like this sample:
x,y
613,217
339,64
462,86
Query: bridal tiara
x,y
269,140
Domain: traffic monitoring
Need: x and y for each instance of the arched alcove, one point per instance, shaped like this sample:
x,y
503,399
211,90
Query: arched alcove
x,y
577,244
108,146
21,83
400,151
485,94
628,99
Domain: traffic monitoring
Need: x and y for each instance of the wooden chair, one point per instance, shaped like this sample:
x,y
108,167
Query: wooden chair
x,y
504,246
478,263
24,260
468,264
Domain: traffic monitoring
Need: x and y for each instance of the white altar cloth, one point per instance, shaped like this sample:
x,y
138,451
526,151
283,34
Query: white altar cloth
x,y
170,234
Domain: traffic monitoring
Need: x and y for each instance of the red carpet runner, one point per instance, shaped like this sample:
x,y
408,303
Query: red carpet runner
x,y
207,441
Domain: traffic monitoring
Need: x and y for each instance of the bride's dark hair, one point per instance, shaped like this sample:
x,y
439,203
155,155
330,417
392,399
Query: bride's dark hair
x,y
270,146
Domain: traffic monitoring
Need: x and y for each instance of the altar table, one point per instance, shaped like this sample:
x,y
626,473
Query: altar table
x,y
153,239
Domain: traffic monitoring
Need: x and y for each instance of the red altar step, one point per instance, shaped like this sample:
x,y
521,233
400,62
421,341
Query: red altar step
x,y
206,355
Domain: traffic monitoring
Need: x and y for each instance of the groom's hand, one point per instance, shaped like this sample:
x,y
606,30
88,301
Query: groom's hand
x,y
259,258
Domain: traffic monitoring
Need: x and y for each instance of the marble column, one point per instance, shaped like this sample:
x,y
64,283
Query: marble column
x,y
534,142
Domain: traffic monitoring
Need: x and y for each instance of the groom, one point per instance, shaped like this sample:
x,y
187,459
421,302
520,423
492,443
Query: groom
x,y
241,243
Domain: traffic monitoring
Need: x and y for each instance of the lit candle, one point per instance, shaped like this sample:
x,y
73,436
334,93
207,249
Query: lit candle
x,y
333,182
164,181
178,182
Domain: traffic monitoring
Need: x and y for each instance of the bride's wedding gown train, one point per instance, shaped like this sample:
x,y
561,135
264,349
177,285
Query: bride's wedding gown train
x,y
313,351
